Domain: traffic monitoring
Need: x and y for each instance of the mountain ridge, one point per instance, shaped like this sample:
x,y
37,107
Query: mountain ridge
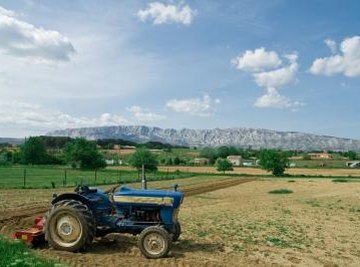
x,y
239,136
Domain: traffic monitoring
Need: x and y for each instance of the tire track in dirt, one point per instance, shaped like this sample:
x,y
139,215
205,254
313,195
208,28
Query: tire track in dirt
x,y
208,187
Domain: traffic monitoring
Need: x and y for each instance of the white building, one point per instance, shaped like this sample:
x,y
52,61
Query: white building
x,y
235,160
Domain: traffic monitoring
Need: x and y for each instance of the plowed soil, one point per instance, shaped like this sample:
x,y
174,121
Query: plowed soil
x,y
22,216
240,225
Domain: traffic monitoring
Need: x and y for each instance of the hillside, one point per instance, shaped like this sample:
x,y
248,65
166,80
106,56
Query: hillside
x,y
241,137
12,141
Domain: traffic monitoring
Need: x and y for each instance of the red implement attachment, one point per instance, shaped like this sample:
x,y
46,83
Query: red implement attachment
x,y
34,236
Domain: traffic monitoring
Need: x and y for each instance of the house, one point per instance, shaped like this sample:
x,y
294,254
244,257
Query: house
x,y
201,161
113,162
128,147
248,164
235,160
117,147
353,164
323,155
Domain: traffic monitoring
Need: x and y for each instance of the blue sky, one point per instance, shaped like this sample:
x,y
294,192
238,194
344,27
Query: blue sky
x,y
282,65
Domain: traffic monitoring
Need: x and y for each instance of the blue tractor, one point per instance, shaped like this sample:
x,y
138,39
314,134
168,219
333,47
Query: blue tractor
x,y
75,219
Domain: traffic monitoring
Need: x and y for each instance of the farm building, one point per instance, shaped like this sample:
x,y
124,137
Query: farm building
x,y
353,164
235,160
201,161
323,155
113,161
117,147
128,147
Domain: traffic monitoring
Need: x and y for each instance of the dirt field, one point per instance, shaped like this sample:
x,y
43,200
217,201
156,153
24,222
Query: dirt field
x,y
258,171
242,225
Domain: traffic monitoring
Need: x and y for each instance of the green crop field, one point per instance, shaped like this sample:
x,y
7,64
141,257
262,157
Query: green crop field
x,y
15,253
315,164
54,177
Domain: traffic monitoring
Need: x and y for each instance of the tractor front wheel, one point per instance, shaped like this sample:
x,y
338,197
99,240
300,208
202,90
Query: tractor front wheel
x,y
69,226
177,233
154,242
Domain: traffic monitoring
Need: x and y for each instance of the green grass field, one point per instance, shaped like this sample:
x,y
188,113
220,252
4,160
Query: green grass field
x,y
54,177
15,253
315,164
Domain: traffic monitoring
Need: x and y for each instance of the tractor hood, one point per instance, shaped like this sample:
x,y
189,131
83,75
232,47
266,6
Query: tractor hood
x,y
149,196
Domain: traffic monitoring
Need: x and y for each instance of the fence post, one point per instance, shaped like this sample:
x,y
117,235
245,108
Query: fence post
x,y
65,177
24,178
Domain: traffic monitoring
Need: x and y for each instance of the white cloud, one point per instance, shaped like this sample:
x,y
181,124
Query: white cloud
x,y
257,60
202,107
279,77
346,62
144,115
262,64
33,116
161,13
332,45
24,40
272,99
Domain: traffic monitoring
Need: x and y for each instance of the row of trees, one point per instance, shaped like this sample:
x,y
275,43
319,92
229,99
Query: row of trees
x,y
84,154
79,153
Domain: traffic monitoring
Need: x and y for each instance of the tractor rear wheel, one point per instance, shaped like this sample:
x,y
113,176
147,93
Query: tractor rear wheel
x,y
69,226
154,242
177,233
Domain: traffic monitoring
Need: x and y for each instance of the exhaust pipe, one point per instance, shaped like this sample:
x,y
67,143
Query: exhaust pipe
x,y
143,181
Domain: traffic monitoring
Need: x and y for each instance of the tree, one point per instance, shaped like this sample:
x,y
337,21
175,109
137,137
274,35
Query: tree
x,y
177,160
223,165
5,157
33,151
223,152
169,162
273,160
352,155
55,142
84,154
143,156
209,153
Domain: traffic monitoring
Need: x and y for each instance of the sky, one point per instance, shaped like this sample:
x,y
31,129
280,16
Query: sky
x,y
281,65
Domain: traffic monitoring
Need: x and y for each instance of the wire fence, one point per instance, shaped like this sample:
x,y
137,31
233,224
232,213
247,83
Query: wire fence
x,y
43,177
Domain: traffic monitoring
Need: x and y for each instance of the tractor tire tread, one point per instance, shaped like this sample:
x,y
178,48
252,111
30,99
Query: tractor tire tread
x,y
80,208
159,230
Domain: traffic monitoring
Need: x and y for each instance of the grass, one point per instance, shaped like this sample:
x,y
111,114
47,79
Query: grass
x,y
340,180
48,177
314,164
313,203
15,253
278,242
281,191
55,177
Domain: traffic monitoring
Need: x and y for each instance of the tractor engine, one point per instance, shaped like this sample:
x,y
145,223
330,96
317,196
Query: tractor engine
x,y
144,215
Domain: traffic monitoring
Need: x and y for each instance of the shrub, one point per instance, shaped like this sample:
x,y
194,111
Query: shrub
x,y
340,180
281,191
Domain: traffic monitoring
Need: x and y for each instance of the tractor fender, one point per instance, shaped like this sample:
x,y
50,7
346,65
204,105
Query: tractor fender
x,y
72,196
